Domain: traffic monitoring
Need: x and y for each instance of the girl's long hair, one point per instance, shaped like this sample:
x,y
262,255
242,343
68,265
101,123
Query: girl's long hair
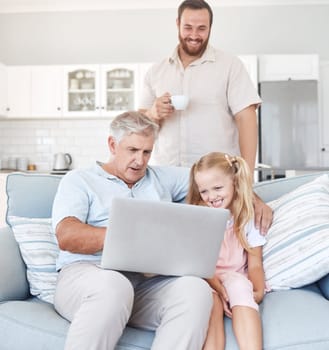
x,y
236,167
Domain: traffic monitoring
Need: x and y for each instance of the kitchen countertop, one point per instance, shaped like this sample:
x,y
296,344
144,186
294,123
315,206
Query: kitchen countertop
x,y
9,171
50,172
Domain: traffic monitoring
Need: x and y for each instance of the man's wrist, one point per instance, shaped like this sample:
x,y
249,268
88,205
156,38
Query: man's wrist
x,y
149,114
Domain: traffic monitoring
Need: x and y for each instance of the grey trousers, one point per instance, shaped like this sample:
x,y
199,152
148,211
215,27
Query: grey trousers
x,y
99,304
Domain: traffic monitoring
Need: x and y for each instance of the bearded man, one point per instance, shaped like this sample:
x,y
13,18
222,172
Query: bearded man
x,y
221,112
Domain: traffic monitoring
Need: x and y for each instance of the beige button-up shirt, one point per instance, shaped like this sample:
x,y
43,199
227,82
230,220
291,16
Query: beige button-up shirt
x,y
218,87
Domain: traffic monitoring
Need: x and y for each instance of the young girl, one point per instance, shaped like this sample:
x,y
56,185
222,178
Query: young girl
x,y
221,181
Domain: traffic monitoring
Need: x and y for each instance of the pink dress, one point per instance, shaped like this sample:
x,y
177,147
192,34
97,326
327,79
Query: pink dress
x,y
232,267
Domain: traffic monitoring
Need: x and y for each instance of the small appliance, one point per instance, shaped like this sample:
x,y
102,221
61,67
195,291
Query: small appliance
x,y
62,161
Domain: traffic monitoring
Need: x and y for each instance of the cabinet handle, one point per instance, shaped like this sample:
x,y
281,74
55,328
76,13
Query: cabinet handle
x,y
323,149
58,108
7,109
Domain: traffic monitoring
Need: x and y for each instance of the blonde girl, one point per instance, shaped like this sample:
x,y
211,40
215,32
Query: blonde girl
x,y
222,181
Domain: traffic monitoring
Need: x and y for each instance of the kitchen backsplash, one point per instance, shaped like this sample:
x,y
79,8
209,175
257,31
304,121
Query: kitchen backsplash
x,y
39,140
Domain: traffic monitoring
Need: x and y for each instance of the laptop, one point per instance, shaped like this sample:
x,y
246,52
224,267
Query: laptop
x,y
165,238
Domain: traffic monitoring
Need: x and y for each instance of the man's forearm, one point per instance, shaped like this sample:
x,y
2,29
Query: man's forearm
x,y
77,237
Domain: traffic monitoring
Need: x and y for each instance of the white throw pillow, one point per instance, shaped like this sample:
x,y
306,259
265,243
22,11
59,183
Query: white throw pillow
x,y
39,250
297,248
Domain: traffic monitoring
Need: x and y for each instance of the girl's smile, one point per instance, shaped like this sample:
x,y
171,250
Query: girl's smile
x,y
216,189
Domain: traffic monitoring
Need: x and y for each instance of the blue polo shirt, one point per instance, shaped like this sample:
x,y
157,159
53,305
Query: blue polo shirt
x,y
87,195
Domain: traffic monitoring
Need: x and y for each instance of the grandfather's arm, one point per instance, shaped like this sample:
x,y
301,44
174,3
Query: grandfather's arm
x,y
76,237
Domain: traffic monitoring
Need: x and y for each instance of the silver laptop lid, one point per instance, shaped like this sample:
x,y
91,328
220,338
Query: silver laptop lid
x,y
163,237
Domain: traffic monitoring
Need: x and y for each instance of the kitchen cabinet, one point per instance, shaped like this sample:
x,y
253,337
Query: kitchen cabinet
x,y
46,91
18,91
324,112
119,87
100,90
3,90
80,90
34,91
288,67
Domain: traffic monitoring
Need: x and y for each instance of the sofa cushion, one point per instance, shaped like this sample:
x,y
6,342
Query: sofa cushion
x,y
33,324
13,282
31,195
295,319
297,248
39,249
323,284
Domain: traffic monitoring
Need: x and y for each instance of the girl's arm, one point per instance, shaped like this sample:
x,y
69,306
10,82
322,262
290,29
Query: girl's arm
x,y
217,286
256,272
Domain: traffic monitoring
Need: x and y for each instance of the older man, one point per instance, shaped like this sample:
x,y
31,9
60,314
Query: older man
x,y
99,303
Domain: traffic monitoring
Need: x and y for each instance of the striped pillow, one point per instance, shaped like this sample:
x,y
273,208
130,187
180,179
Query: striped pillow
x,y
39,250
297,248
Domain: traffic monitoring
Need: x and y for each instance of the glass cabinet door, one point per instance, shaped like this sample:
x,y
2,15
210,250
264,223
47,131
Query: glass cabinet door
x,y
100,90
82,93
81,90
120,85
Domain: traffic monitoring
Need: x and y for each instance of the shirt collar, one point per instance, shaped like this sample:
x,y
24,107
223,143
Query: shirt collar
x,y
100,171
208,56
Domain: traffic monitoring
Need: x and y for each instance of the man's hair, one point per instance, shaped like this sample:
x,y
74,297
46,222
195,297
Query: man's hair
x,y
132,122
195,5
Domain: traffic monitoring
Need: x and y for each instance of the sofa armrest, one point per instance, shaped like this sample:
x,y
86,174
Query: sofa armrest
x,y
13,282
324,285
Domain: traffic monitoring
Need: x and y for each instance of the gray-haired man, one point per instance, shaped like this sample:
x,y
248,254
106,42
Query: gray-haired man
x,y
99,303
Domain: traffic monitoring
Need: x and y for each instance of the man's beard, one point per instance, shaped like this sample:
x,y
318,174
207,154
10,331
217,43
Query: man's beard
x,y
194,51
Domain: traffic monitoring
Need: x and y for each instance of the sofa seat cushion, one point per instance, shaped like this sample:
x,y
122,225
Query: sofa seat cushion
x,y
30,324
295,319
34,324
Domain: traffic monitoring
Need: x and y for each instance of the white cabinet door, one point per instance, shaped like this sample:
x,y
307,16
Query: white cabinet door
x,y
119,88
324,112
3,90
100,90
250,62
81,90
46,91
19,91
288,67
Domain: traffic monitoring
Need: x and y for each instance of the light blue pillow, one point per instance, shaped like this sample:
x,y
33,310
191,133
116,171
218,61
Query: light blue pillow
x,y
39,250
297,248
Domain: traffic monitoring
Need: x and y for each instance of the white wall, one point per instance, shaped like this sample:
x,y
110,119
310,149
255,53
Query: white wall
x,y
38,140
150,34
133,36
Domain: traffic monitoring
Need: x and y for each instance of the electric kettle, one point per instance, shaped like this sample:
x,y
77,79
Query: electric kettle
x,y
62,161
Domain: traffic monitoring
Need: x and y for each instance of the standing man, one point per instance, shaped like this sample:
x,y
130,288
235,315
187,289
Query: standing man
x,y
100,303
221,113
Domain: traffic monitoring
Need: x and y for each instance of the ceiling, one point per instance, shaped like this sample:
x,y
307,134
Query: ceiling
x,y
11,6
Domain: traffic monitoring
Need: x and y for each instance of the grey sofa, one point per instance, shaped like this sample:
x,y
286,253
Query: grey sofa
x,y
292,320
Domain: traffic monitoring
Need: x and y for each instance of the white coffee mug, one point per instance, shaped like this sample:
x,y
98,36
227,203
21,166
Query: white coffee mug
x,y
179,102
